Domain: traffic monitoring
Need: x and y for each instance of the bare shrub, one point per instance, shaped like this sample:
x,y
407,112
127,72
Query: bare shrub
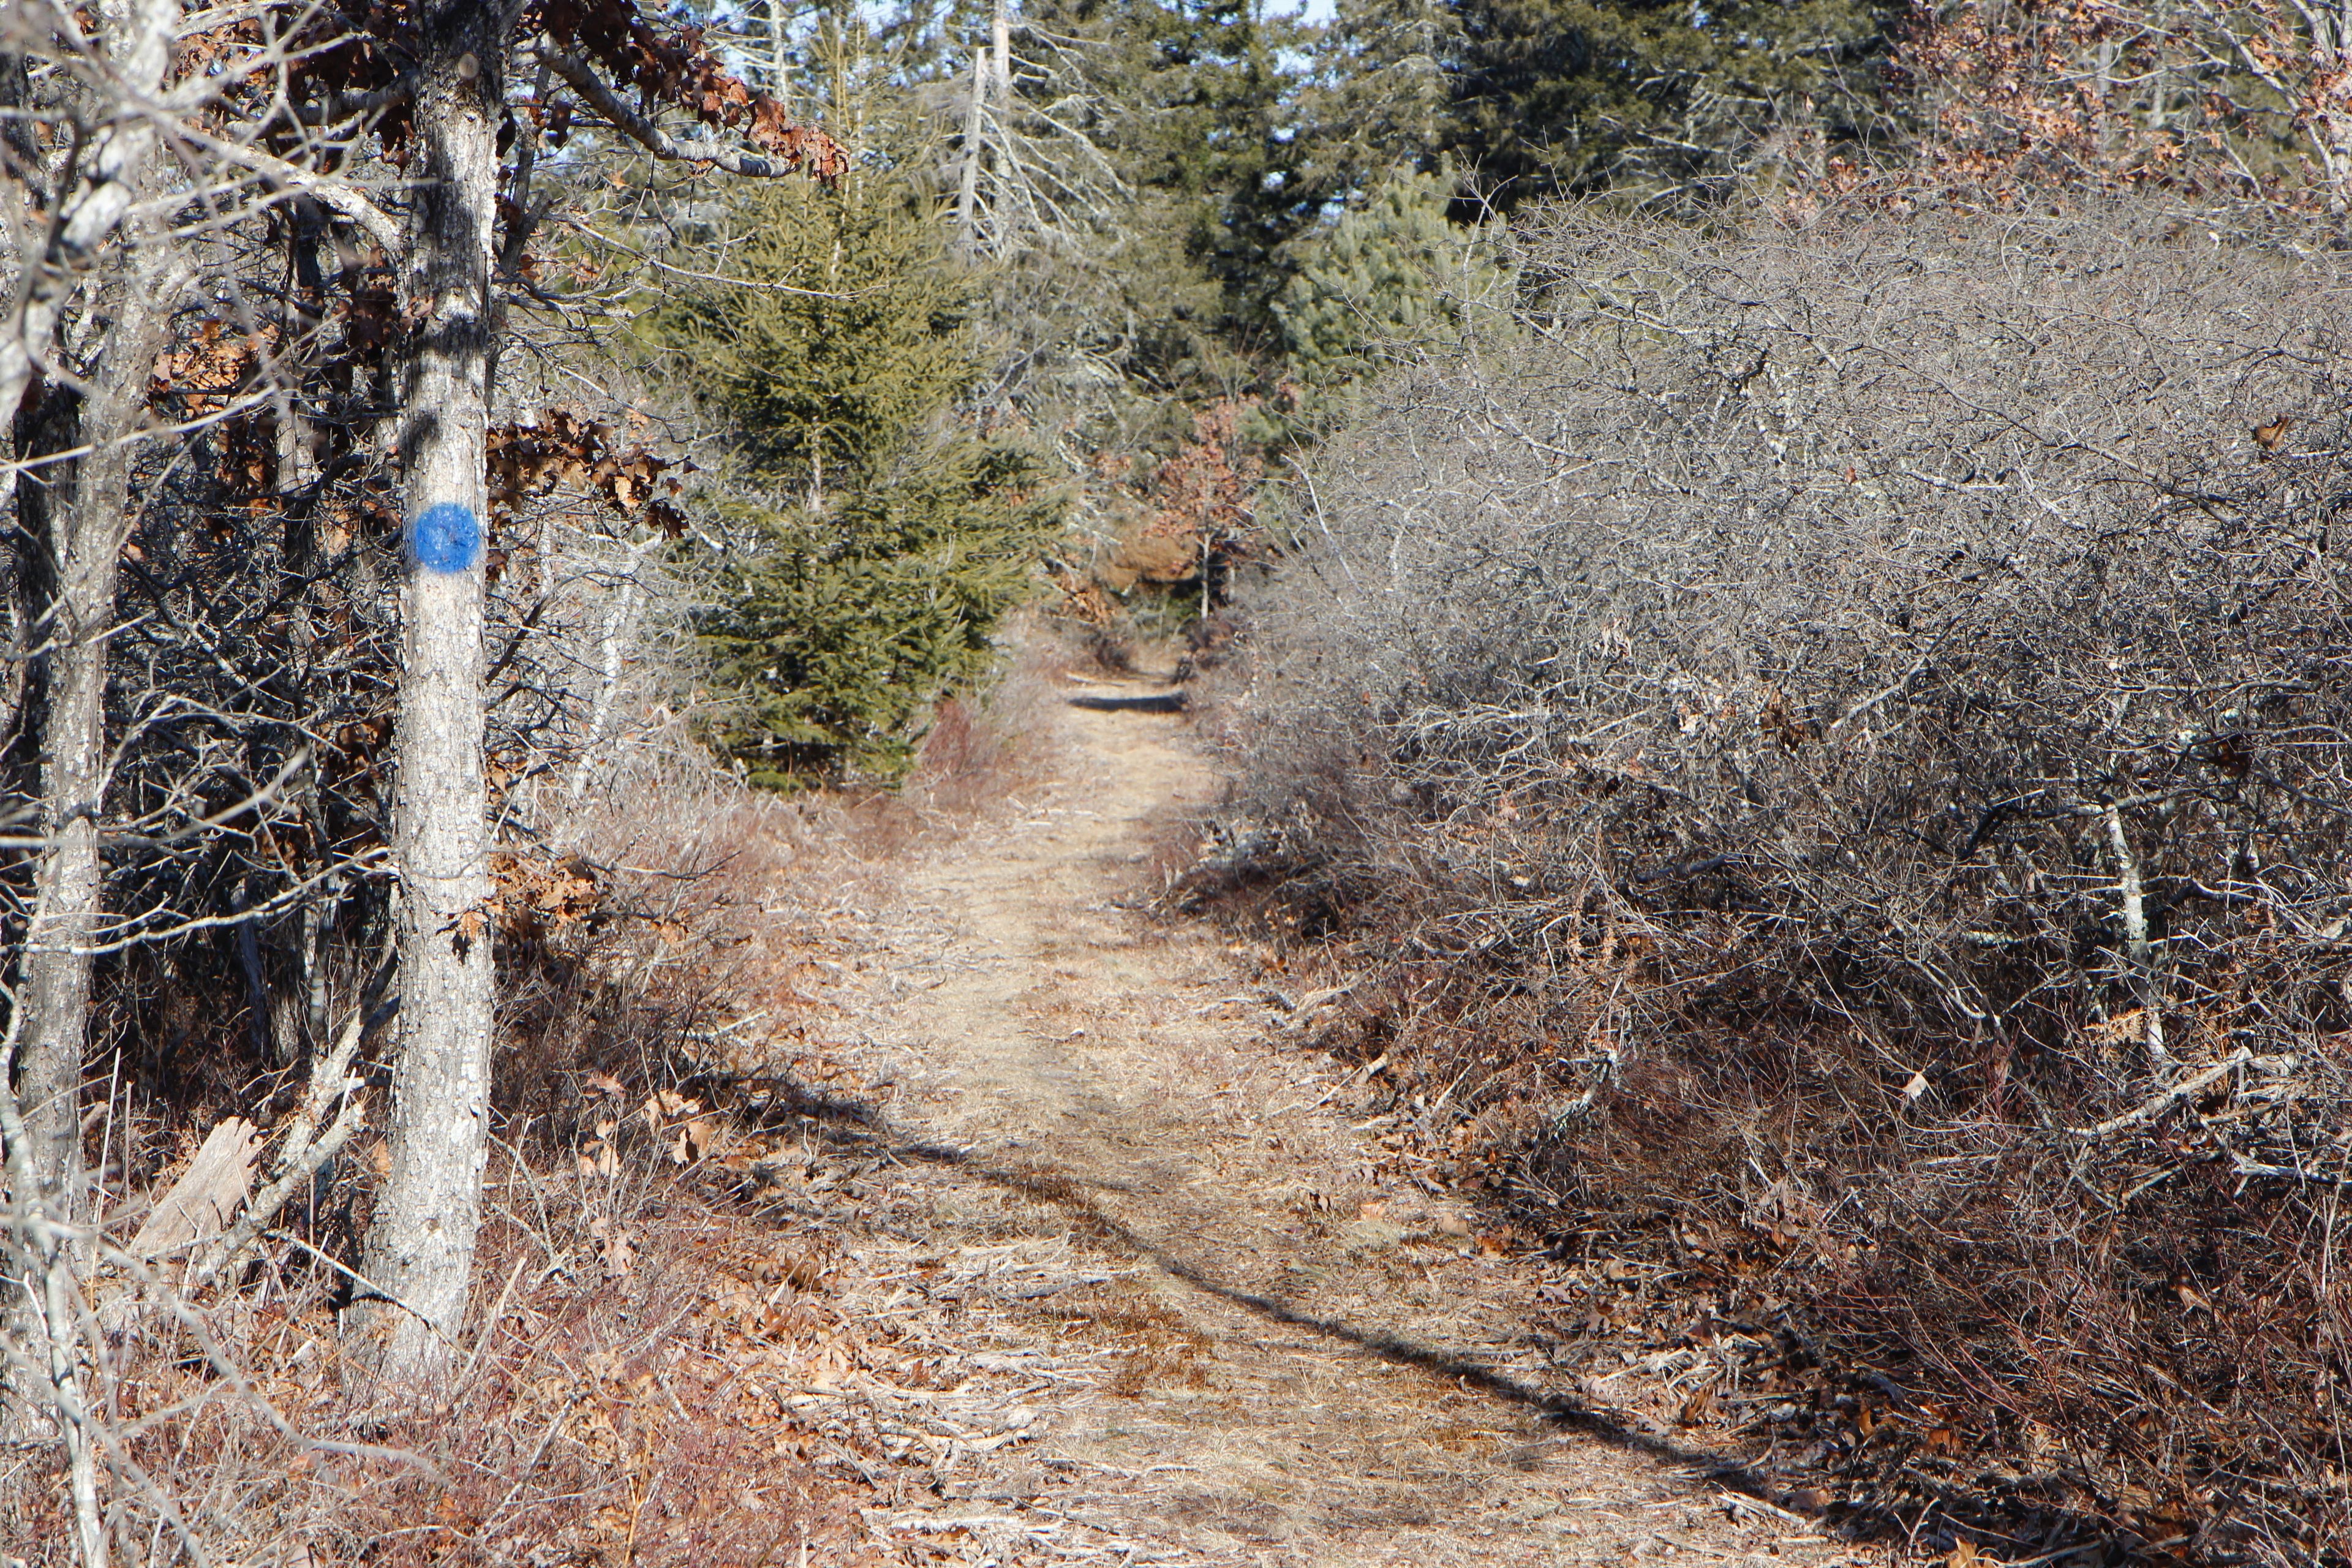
x,y
1850,723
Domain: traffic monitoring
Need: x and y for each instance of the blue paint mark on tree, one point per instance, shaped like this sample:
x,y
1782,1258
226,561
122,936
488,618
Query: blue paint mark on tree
x,y
446,537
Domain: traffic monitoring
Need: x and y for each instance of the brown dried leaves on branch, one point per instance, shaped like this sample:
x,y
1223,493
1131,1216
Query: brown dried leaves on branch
x,y
679,69
203,374
366,66
539,895
528,461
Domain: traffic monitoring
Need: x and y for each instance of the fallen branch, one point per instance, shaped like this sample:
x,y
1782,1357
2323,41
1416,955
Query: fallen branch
x,y
2247,1165
2148,1111
198,1204
299,1158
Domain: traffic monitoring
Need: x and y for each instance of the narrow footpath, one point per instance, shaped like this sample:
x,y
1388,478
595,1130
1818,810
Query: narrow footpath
x,y
1182,1302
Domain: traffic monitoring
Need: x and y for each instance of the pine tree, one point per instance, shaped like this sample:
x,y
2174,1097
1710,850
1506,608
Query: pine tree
x,y
881,536
1391,278
843,327
837,632
1198,103
1660,99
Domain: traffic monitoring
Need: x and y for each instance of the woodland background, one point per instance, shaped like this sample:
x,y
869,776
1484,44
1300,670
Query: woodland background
x,y
1768,568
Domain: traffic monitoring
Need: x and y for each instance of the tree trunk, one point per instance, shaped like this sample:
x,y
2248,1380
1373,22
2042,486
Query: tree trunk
x,y
968,182
2159,81
420,1247
77,514
70,525
85,505
1000,70
70,517
619,618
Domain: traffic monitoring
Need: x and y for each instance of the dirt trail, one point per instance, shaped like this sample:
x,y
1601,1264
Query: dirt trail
x,y
1247,1335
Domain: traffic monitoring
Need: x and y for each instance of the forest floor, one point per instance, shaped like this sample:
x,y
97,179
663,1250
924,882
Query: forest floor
x,y
1118,1273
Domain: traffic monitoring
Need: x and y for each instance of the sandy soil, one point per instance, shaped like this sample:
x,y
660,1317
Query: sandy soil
x,y
1190,1304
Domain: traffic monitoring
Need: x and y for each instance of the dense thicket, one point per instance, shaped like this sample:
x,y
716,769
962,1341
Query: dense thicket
x,y
1840,723
1678,107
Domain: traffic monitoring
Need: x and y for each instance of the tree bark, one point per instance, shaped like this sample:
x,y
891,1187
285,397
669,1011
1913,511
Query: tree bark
x,y
619,617
139,36
968,179
72,520
80,516
420,1247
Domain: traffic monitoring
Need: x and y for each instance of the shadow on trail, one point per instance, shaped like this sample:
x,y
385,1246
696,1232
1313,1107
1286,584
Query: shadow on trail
x,y
1136,702
872,1137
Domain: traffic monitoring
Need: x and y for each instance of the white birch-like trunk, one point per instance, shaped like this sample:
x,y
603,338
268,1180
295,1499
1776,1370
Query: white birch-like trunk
x,y
968,182
2139,954
1000,65
999,71
420,1246
619,620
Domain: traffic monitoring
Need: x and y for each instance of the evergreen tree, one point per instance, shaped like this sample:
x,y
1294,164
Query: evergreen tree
x,y
1660,99
881,536
843,326
1199,115
837,632
1378,96
1391,278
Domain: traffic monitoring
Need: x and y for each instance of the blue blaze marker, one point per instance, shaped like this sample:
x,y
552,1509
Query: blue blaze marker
x,y
446,537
